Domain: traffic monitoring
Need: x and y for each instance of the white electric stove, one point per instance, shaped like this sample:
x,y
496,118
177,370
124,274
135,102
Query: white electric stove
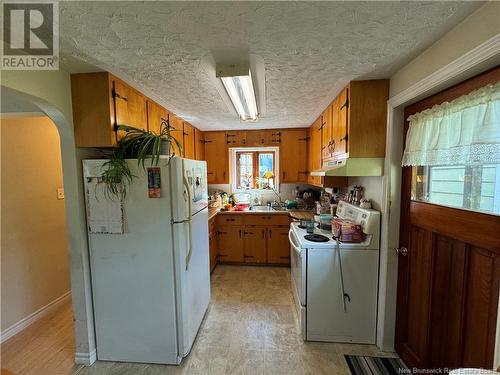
x,y
335,284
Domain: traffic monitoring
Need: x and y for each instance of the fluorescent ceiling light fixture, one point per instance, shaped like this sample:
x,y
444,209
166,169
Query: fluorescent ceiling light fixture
x,y
237,81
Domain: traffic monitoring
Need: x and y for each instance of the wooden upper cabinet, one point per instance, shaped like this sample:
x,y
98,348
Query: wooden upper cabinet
x,y
236,138
199,145
293,155
354,124
188,140
340,117
130,106
216,155
156,114
177,132
367,118
326,131
314,152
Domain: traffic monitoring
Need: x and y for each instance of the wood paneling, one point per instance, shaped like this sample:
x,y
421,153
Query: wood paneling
x,y
293,155
255,244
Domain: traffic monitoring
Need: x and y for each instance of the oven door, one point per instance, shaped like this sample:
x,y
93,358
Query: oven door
x,y
298,270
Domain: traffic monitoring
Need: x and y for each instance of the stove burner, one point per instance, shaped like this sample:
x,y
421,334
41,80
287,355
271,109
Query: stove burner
x,y
316,238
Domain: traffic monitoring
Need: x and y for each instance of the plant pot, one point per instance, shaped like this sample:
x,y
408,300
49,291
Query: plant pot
x,y
165,147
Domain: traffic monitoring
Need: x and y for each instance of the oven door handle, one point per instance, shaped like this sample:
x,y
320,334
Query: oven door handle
x,y
292,242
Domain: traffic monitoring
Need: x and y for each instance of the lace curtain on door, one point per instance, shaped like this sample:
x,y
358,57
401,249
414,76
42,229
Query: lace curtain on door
x,y
465,131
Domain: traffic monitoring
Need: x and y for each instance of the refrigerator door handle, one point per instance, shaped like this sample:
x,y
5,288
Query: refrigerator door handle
x,y
189,252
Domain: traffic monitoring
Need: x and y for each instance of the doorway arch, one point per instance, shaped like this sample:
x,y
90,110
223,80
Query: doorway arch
x,y
13,100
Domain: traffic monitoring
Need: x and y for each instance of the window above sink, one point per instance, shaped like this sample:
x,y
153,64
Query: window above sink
x,y
254,168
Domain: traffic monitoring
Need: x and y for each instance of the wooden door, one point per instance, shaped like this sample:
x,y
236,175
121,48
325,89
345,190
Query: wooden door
x,y
236,138
278,247
188,140
216,155
448,272
130,107
230,244
293,155
255,244
156,114
340,127
177,132
199,145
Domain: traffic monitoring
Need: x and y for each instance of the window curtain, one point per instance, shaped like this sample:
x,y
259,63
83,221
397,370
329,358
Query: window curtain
x,y
465,131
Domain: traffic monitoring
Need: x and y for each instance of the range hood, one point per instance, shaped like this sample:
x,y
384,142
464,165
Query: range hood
x,y
352,167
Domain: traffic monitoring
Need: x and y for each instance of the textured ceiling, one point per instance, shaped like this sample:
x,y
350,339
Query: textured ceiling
x,y
309,50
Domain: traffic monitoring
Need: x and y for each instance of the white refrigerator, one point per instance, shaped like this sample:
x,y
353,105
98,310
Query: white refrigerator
x,y
149,260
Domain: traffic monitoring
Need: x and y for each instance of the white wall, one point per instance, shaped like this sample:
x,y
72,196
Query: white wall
x,y
34,258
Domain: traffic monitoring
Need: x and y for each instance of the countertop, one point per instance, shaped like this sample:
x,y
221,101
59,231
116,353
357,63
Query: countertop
x,y
296,214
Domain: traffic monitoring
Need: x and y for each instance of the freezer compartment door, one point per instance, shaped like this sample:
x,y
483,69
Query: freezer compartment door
x,y
326,318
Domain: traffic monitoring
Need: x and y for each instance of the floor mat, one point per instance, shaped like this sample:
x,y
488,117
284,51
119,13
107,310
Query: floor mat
x,y
362,365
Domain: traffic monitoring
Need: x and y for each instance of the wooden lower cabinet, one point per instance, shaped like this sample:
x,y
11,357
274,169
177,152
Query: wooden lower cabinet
x,y
255,244
278,249
256,239
212,243
230,244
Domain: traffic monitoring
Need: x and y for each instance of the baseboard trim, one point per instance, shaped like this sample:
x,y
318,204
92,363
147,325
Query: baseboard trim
x,y
32,318
86,359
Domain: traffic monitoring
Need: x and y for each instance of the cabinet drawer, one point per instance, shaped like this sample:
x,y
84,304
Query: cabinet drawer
x,y
270,219
230,219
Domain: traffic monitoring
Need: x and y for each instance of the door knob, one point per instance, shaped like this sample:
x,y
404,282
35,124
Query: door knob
x,y
402,251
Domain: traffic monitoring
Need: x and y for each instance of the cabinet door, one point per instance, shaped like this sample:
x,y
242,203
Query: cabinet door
x,y
293,155
278,248
255,138
212,240
156,114
326,131
130,107
230,244
340,124
177,131
271,137
199,145
217,157
314,152
188,140
255,244
236,138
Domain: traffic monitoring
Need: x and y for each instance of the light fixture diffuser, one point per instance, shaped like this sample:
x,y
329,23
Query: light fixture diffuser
x,y
237,81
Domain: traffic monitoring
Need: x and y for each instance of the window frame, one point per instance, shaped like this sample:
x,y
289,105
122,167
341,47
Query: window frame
x,y
234,172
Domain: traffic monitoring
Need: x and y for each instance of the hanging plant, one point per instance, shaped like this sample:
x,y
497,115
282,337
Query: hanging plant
x,y
136,144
